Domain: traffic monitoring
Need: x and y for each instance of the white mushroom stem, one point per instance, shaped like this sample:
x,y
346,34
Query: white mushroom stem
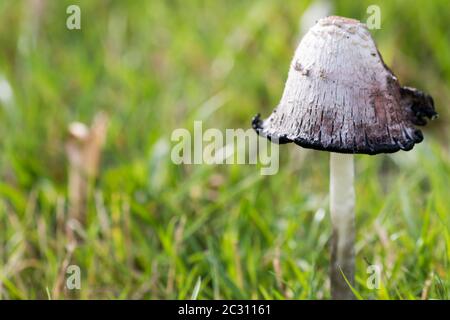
x,y
342,204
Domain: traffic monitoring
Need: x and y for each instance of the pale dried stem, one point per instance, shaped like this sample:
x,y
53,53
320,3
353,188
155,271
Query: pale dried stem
x,y
83,152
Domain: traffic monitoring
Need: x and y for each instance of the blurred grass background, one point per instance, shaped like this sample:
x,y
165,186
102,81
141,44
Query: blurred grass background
x,y
157,230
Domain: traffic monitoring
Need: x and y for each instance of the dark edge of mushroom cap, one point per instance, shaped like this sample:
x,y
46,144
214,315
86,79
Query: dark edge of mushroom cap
x,y
421,106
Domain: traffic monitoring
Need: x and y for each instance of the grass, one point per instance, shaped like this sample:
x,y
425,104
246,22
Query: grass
x,y
156,230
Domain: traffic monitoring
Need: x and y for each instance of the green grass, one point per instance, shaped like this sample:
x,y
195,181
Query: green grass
x,y
157,230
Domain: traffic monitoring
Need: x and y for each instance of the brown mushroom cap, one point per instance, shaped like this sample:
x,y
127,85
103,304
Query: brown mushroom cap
x,y
341,97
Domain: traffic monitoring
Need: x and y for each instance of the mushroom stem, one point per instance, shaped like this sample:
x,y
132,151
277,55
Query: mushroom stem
x,y
342,203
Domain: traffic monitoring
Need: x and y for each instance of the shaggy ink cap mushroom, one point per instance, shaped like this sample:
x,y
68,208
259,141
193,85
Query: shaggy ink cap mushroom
x,y
340,96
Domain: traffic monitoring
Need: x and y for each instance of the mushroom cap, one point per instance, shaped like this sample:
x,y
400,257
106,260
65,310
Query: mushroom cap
x,y
341,97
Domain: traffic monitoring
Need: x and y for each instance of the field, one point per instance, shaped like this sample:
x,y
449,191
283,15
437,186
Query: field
x,y
157,230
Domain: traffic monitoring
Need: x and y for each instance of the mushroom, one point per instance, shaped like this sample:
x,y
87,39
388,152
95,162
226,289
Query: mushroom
x,y
342,98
